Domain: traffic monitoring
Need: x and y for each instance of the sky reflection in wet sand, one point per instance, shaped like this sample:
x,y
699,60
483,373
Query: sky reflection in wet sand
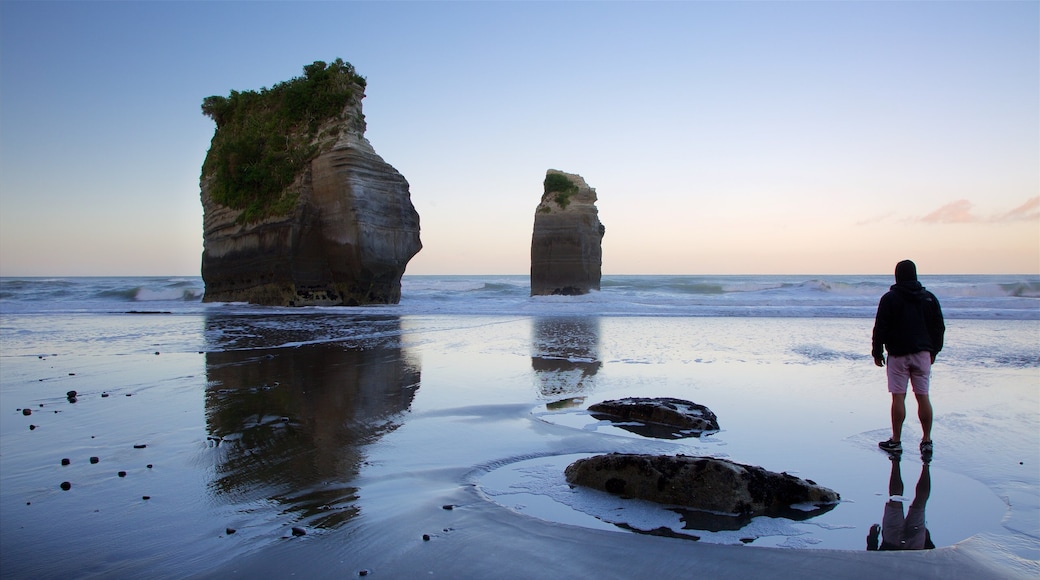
x,y
320,433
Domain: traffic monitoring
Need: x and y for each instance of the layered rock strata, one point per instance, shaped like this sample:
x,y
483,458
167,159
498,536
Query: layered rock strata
x,y
566,246
346,238
661,417
703,483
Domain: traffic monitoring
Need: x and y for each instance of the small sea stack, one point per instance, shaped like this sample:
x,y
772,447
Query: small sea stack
x,y
566,246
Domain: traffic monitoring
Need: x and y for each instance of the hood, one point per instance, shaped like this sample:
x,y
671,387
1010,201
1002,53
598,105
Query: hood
x,y
911,288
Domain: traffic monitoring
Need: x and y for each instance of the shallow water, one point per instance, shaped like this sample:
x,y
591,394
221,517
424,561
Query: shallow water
x,y
330,422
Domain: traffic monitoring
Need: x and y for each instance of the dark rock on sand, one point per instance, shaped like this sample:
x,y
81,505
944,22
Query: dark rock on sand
x,y
66,485
662,418
26,412
94,459
230,531
140,446
66,461
703,483
299,531
121,474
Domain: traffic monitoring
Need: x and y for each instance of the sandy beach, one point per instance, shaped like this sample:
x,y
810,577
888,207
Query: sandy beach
x,y
432,446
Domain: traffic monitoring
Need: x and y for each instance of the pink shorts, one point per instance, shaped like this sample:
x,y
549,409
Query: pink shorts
x,y
915,368
907,533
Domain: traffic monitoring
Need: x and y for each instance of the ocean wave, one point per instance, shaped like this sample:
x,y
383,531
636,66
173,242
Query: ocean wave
x,y
414,284
127,294
175,293
968,297
1023,289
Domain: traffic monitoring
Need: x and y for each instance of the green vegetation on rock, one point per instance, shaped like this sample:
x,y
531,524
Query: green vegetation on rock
x,y
264,139
562,186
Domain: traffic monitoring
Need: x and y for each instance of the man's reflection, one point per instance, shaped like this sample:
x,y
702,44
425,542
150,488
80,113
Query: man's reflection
x,y
899,532
289,424
565,355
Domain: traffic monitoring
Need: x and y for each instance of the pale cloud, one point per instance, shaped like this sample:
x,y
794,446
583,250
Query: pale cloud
x,y
960,212
876,219
1029,210
957,212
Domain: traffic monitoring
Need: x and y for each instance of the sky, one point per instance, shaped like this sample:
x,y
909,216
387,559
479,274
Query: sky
x,y
721,137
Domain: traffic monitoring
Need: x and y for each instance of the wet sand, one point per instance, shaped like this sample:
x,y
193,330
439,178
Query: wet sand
x,y
399,450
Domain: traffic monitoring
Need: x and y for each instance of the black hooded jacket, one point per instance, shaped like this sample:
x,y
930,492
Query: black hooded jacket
x,y
908,320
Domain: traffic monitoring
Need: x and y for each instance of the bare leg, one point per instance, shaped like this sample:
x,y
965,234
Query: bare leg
x,y
899,415
924,487
924,412
895,479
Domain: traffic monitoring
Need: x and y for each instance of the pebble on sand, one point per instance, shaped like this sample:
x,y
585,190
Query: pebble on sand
x,y
66,485
66,461
121,474
94,459
27,412
230,531
140,446
299,531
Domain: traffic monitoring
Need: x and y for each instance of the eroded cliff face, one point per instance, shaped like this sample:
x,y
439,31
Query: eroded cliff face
x,y
345,241
566,247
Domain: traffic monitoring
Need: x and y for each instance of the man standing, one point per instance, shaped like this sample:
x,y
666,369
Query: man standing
x,y
909,325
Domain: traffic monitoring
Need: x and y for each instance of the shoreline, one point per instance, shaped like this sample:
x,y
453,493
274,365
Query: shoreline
x,y
364,443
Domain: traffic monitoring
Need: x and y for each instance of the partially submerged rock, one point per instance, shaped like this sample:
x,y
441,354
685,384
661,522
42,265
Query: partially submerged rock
x,y
566,246
703,483
661,417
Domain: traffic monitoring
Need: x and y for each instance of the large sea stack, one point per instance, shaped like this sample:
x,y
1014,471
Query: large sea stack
x,y
298,209
566,247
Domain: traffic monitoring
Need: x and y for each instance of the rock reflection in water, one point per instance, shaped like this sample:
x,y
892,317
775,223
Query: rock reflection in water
x,y
715,522
565,355
290,424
